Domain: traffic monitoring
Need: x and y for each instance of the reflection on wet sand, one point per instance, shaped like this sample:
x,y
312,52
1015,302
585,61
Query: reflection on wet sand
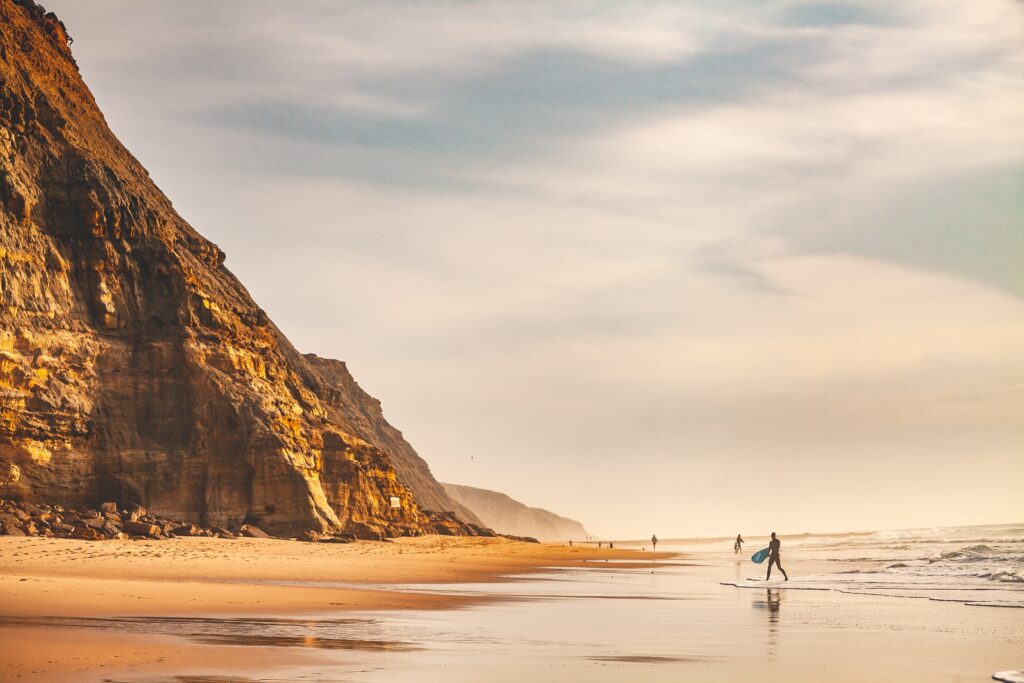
x,y
327,634
772,604
646,659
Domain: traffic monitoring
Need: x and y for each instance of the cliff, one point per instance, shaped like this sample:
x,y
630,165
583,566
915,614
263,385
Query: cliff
x,y
134,367
508,516
362,414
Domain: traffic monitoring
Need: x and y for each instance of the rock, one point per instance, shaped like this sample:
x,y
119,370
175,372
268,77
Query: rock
x,y
221,532
7,519
140,529
136,513
365,532
309,536
252,531
521,539
187,530
86,533
11,530
94,522
62,529
338,538
108,508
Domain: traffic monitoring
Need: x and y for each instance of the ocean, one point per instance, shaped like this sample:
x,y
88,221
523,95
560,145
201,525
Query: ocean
x,y
973,565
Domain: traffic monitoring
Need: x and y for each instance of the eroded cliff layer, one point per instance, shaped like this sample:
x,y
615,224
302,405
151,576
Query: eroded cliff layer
x,y
134,367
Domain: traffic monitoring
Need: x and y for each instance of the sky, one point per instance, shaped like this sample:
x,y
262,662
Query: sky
x,y
674,268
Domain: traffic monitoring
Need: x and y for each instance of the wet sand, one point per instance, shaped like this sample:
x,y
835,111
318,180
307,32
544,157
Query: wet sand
x,y
438,609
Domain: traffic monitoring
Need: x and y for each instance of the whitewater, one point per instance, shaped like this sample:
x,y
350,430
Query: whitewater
x,y
973,565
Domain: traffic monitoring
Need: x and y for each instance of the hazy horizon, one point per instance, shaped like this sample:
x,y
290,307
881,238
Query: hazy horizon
x,y
687,270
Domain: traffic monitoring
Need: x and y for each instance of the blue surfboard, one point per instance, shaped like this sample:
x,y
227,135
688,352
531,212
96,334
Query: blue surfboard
x,y
760,556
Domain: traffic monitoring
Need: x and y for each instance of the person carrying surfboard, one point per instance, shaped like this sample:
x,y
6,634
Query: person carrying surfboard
x,y
773,557
738,545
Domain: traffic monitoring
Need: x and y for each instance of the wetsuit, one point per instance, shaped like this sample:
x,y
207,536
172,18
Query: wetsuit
x,y
773,557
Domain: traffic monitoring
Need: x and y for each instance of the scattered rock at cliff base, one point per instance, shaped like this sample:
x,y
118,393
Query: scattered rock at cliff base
x,y
22,518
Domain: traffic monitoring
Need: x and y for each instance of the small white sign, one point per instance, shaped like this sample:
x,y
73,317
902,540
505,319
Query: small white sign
x,y
396,502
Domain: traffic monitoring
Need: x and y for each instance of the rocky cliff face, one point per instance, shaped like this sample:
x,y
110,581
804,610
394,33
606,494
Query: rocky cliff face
x,y
508,516
134,367
362,414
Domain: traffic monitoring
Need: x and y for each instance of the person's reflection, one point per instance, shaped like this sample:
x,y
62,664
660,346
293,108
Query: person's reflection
x,y
772,604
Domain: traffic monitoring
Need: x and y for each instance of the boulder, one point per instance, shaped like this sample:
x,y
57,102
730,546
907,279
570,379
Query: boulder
x,y
338,538
140,529
7,519
309,536
108,508
11,530
187,530
86,533
366,532
253,531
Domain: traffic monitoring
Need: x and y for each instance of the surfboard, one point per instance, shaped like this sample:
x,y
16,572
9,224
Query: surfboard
x,y
760,556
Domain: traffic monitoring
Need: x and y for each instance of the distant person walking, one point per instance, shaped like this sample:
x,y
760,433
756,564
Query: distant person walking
x,y
773,557
654,542
738,545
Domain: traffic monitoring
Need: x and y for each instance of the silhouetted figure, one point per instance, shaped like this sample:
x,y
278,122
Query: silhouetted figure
x,y
570,542
611,545
773,557
654,542
738,545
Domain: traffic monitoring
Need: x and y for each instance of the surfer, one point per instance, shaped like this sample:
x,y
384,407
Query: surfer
x,y
773,557
654,542
738,545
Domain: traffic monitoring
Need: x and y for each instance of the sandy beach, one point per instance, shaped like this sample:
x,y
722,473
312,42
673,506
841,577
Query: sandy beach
x,y
44,580
460,609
